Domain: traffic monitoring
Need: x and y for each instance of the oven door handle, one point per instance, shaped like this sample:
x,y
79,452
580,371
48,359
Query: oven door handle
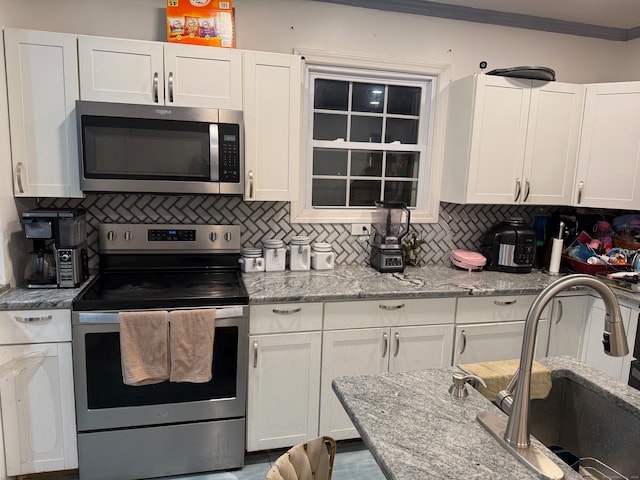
x,y
112,317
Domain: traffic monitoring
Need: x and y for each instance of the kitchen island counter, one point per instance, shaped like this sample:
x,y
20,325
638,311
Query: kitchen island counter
x,y
415,429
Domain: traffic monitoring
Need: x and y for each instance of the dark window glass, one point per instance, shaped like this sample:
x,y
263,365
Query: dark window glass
x,y
404,100
329,127
366,129
366,163
330,162
329,192
396,191
364,193
402,164
367,98
331,95
401,130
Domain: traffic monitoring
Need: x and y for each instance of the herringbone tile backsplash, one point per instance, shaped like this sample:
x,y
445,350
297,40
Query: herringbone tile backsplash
x,y
459,226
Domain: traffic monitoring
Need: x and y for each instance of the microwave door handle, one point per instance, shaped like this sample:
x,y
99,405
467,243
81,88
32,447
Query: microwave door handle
x,y
214,153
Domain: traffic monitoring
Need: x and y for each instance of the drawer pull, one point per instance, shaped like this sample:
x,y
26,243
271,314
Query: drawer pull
x,y
33,319
560,311
504,302
155,87
279,311
397,337
463,335
255,354
391,307
385,344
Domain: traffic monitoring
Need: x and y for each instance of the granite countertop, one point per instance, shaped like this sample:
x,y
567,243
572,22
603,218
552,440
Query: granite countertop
x,y
415,429
342,283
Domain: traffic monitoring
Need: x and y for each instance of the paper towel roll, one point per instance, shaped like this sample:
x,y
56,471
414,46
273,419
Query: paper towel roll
x,y
556,254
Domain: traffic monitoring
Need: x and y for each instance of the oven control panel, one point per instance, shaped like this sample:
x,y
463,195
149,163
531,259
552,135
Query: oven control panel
x,y
139,238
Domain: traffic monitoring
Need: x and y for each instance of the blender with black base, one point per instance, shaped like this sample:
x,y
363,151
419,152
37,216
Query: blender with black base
x,y
391,224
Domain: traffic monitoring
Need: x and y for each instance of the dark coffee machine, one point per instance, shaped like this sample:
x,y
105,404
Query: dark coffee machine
x,y
59,256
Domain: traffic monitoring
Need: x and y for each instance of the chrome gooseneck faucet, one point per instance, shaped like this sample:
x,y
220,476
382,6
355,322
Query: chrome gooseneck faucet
x,y
514,436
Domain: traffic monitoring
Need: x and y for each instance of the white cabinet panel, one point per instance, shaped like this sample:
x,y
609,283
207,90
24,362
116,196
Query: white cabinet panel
x,y
567,325
416,348
42,87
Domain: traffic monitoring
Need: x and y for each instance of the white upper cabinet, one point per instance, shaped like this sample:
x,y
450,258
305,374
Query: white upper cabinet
x,y
272,116
42,87
142,72
511,141
608,173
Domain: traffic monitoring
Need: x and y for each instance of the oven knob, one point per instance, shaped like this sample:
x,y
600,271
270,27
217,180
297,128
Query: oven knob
x,y
213,236
227,236
111,235
128,235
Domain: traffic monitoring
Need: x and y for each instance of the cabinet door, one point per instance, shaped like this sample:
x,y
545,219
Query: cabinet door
x,y
415,348
348,352
495,341
119,70
592,350
498,138
608,172
272,115
36,390
283,389
551,152
567,325
198,76
42,87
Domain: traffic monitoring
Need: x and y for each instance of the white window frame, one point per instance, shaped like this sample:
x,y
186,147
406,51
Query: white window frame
x,y
427,208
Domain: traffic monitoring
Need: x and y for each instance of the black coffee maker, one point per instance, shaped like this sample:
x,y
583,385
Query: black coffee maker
x,y
59,256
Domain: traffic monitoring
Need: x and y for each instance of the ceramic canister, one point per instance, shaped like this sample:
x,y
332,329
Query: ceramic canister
x,y
251,260
322,256
275,255
299,253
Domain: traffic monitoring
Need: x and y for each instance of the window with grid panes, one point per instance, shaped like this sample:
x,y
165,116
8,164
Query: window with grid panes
x,y
368,138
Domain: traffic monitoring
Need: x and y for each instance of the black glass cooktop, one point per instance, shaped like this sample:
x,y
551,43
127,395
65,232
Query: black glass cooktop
x,y
162,289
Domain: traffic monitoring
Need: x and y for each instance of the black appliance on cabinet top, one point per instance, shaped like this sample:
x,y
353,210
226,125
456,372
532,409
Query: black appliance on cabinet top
x,y
509,246
129,432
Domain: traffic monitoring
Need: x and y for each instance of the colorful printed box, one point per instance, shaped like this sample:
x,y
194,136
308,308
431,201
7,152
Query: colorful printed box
x,y
200,22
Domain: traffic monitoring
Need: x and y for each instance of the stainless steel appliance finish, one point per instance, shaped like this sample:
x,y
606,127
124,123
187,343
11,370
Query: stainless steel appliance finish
x,y
129,432
391,225
509,246
160,149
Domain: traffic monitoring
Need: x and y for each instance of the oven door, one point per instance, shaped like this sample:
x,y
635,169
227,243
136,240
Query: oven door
x,y
103,401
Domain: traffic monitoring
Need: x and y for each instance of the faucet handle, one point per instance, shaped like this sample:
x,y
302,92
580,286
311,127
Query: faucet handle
x,y
459,386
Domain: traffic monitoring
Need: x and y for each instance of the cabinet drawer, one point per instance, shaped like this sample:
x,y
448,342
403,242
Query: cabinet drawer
x,y
495,308
285,317
34,326
388,313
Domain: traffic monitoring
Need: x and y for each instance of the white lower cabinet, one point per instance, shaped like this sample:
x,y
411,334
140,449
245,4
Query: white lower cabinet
x,y
592,350
567,325
36,391
491,328
379,336
284,375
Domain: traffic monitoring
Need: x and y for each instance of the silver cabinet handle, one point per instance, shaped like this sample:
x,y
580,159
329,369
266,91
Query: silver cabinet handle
x,y
255,354
397,337
385,344
560,312
463,335
518,189
527,189
33,319
170,85
291,311
504,302
250,183
391,307
19,177
155,87
580,187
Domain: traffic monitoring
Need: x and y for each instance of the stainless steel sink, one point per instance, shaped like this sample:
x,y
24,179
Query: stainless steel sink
x,y
588,425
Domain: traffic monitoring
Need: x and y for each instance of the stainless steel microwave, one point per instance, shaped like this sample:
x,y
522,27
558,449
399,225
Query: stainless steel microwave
x,y
159,149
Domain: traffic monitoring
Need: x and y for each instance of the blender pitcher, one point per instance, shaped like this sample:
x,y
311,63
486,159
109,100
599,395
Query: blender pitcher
x,y
391,222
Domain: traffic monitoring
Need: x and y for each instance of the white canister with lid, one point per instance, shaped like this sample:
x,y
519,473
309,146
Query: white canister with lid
x,y
299,253
322,256
251,260
275,255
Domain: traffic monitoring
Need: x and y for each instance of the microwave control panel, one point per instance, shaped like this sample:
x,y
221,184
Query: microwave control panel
x,y
229,152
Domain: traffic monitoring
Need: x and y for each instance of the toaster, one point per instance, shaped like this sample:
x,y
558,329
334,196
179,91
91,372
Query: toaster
x,y
509,246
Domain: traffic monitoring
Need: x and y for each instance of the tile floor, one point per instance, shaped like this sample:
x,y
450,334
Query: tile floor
x,y
353,462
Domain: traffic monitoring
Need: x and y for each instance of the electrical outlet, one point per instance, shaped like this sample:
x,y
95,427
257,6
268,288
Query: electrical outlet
x,y
361,229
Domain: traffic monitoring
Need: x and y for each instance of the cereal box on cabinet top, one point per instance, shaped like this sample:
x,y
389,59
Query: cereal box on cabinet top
x,y
200,22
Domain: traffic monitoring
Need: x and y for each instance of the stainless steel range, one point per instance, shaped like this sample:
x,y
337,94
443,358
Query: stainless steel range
x,y
168,428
